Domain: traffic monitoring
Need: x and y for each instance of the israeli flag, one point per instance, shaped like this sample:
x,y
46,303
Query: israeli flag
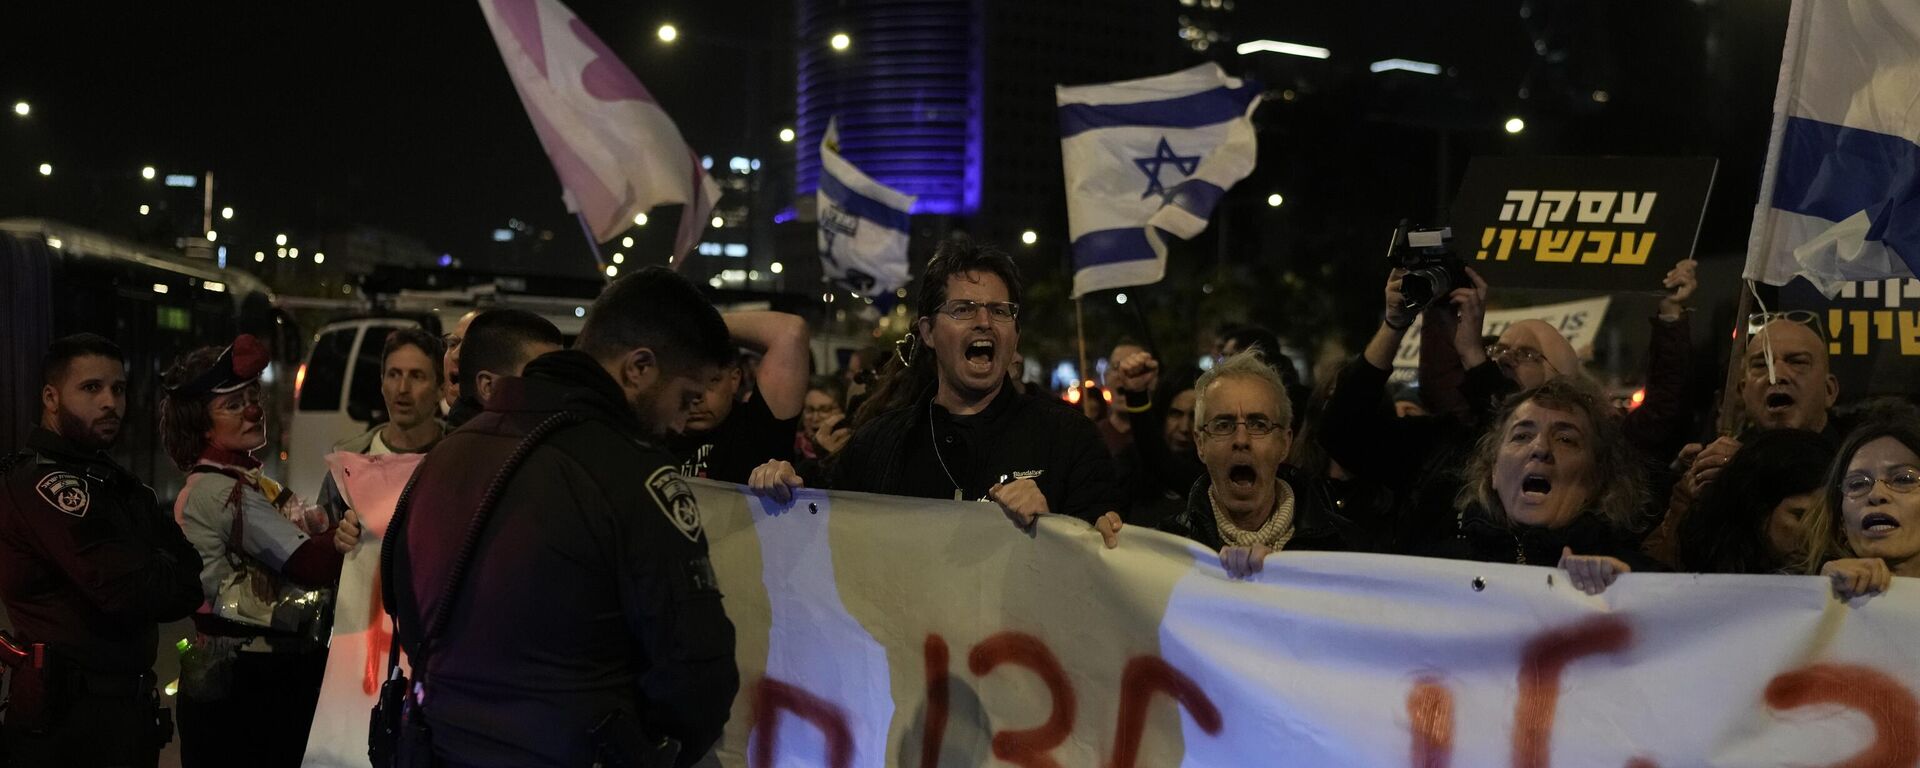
x,y
863,225
1148,156
1840,197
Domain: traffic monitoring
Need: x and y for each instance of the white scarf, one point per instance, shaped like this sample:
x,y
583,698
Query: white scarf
x,y
1274,534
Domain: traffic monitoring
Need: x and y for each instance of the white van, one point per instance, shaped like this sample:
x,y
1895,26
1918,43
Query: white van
x,y
336,395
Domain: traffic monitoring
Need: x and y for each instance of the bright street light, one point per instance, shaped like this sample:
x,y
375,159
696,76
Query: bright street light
x,y
619,258
22,108
1119,298
46,169
786,135
613,271
144,210
1515,125
639,219
840,41
148,173
259,256
1274,200
719,222
1029,237
626,242
227,213
293,253
668,33
777,267
279,239
212,236
319,258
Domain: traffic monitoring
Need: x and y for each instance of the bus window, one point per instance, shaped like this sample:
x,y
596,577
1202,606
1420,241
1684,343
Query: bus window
x,y
326,370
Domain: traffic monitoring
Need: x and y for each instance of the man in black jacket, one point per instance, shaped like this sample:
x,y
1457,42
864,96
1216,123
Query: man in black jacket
x,y
89,566
589,624
966,433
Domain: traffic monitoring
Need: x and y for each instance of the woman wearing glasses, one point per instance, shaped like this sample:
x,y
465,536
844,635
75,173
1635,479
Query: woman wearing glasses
x,y
251,677
1866,530
1247,504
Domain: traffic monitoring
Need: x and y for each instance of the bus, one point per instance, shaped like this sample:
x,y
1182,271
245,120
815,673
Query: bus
x,y
157,304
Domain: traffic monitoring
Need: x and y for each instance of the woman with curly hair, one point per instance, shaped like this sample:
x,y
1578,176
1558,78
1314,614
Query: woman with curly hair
x,y
251,677
1553,480
1751,519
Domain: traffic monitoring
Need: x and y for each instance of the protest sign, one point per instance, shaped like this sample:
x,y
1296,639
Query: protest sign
x,y
1593,223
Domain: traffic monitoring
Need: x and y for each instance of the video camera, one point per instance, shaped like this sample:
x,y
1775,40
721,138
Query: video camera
x,y
1433,271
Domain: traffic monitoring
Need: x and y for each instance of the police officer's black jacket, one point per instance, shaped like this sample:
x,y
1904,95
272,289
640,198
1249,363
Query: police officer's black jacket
x,y
922,450
1317,525
89,564
590,593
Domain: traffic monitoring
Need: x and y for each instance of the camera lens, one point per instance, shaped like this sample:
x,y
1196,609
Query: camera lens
x,y
1420,287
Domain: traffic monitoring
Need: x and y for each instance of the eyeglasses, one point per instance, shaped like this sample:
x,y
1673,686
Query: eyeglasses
x,y
1759,320
963,310
237,402
1224,426
1900,480
1519,354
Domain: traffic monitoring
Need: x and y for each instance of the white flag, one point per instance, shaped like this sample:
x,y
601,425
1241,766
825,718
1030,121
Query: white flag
x,y
1146,156
1840,198
863,224
616,152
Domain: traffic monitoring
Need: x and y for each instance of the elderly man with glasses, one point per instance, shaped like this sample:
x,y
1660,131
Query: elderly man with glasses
x,y
961,430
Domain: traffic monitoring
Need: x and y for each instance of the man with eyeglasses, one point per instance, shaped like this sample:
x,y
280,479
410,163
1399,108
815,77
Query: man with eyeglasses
x,y
966,433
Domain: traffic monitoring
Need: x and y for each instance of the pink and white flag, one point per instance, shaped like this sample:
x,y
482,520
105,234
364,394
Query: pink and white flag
x,y
616,151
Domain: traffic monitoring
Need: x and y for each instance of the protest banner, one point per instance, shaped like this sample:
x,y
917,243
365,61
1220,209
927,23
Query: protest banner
x,y
1596,223
362,631
1578,321
888,631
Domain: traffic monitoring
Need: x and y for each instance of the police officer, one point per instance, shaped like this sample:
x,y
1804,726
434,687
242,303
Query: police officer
x,y
89,566
588,627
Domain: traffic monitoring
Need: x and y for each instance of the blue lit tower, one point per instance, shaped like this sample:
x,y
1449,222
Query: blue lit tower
x,y
952,100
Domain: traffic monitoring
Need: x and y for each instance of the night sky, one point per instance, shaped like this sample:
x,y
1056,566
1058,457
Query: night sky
x,y
315,116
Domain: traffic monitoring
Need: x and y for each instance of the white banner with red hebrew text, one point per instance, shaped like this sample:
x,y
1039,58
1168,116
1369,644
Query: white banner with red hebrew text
x,y
886,631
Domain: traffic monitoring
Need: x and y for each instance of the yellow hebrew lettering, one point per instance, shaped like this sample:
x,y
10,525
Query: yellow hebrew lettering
x,y
1834,325
1862,322
1559,245
1634,254
1909,332
1602,250
1883,324
1526,239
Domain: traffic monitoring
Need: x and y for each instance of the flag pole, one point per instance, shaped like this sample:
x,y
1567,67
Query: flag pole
x,y
593,246
1728,418
1080,326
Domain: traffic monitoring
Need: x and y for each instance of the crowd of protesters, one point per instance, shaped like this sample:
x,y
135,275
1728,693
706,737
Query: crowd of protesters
x,y
1507,451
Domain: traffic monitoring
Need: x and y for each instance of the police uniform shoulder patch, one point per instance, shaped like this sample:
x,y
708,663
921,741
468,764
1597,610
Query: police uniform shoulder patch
x,y
676,501
66,492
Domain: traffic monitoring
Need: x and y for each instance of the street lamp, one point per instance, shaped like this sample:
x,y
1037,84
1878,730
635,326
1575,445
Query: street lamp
x,y
1515,125
46,169
279,239
718,222
1029,237
148,173
22,108
1274,200
227,213
319,258
212,236
144,210
786,135
840,41
639,219
668,33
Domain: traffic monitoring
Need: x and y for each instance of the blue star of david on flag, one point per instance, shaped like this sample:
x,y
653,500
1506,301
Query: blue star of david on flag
x,y
1162,156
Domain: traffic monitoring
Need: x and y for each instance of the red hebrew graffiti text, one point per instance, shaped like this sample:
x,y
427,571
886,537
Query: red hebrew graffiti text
x,y
1144,677
1030,748
1546,656
379,639
1430,711
771,696
937,680
1891,707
